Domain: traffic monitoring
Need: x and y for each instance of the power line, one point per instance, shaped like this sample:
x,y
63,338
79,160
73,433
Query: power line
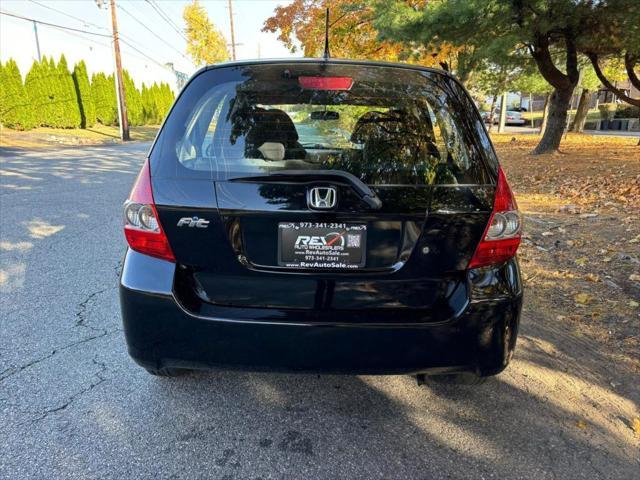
x,y
143,54
176,27
68,15
86,32
54,25
152,32
166,18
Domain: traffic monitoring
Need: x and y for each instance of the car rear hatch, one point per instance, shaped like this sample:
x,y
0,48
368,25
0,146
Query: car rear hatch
x,y
324,187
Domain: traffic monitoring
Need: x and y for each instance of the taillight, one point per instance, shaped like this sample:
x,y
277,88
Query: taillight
x,y
501,238
141,224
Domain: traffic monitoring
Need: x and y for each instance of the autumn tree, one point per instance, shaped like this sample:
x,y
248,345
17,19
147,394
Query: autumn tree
x,y
550,30
615,38
351,34
205,43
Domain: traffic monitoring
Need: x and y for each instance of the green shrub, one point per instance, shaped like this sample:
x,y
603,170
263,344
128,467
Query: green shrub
x,y
135,113
627,111
37,93
149,104
15,109
84,95
104,98
54,97
68,106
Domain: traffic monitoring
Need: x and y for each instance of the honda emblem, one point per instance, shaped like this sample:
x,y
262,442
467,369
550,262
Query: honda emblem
x,y
322,198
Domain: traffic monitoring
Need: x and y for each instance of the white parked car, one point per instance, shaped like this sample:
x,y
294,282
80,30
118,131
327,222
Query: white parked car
x,y
513,117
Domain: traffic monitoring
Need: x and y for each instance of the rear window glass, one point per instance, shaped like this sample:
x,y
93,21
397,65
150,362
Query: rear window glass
x,y
385,125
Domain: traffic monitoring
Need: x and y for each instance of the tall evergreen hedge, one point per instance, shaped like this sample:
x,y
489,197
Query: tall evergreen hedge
x,y
52,96
35,85
68,105
135,113
104,98
156,102
84,95
15,111
149,108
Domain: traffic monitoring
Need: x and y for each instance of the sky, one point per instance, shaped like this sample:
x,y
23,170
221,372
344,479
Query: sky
x,y
151,42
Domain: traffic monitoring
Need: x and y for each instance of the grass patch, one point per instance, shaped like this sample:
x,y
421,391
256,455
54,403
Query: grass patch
x,y
96,135
585,144
592,116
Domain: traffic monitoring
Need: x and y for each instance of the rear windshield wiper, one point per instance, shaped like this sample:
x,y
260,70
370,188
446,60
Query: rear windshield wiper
x,y
364,192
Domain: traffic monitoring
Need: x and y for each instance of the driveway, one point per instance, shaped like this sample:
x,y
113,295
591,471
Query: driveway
x,y
73,405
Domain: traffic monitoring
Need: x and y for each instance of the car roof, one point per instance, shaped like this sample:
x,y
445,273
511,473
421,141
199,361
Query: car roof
x,y
335,61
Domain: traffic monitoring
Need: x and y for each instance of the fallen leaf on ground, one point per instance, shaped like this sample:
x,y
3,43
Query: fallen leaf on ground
x,y
635,425
581,262
583,298
581,424
633,304
634,277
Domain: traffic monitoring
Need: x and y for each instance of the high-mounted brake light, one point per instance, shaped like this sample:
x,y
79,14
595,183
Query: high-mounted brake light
x,y
501,238
325,83
141,224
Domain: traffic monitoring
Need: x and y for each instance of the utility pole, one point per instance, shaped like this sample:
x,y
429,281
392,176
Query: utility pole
x,y
35,31
122,102
120,93
233,38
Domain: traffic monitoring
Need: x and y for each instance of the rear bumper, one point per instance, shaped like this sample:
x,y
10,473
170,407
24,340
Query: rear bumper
x,y
161,333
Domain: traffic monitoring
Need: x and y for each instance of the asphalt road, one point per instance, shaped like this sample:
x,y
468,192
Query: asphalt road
x,y
73,405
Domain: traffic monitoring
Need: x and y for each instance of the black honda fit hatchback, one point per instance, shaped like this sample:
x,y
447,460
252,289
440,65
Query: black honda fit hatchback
x,y
322,216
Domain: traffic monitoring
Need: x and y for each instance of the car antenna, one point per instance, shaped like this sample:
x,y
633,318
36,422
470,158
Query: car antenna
x,y
326,36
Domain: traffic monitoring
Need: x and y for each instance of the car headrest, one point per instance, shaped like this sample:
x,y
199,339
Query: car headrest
x,y
272,151
272,126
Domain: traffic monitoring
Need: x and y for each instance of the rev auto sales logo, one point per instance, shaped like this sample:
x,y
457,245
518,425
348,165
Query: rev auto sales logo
x,y
330,241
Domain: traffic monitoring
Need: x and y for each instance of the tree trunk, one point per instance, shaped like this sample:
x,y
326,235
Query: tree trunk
x,y
492,111
545,114
557,121
581,113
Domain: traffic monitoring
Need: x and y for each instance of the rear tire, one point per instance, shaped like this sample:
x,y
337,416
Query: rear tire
x,y
458,379
167,372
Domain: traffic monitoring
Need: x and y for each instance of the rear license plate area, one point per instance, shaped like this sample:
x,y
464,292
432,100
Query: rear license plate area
x,y
318,245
